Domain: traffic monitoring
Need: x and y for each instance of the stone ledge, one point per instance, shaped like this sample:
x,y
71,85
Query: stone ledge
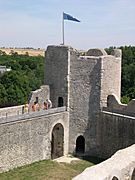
x,y
121,166
32,115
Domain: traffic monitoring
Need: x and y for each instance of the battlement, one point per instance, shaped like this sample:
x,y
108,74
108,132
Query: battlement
x,y
114,105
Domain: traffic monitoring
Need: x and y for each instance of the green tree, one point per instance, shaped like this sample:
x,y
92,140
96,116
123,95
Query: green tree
x,y
27,74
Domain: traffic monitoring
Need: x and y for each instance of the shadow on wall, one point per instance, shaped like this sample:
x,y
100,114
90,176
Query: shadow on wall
x,y
94,107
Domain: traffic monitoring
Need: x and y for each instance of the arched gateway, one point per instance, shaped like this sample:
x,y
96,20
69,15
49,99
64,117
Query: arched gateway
x,y
57,141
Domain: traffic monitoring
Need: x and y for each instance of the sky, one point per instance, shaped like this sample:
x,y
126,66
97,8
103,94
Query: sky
x,y
38,23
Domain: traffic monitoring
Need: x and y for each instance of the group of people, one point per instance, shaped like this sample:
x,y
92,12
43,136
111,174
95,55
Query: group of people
x,y
37,107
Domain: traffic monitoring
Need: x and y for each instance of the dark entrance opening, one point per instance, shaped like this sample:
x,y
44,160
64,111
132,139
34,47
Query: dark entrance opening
x,y
57,141
115,178
133,175
60,101
80,145
36,99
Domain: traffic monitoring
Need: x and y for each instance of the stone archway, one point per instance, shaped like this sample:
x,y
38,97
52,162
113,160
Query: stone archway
x,y
57,149
133,175
80,145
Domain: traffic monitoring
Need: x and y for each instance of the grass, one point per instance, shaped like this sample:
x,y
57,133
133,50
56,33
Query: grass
x,y
47,170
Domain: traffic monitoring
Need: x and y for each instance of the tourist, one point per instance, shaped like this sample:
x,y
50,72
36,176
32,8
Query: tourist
x,y
45,106
49,103
26,108
34,107
38,107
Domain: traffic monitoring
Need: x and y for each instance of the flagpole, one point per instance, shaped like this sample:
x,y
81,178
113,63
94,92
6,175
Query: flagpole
x,y
63,29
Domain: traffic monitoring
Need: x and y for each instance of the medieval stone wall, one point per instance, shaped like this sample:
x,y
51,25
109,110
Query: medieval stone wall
x,y
113,132
84,82
11,111
84,98
110,78
39,96
114,105
28,139
92,79
56,71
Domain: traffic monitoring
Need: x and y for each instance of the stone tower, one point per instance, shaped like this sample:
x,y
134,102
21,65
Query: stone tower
x,y
82,83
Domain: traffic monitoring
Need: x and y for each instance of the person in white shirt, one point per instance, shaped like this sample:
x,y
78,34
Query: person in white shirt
x,y
49,103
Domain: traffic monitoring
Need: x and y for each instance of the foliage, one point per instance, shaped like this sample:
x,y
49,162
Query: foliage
x,y
26,75
125,99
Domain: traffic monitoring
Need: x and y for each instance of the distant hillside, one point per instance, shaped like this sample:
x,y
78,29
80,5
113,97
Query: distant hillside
x,y
30,52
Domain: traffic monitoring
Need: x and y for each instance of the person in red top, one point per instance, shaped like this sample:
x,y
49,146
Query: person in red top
x,y
34,107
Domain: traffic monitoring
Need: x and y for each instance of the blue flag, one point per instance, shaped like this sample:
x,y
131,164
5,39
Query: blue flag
x,y
69,17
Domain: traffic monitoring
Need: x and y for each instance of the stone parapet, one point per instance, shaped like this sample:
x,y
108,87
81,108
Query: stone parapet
x,y
115,106
11,111
30,115
121,166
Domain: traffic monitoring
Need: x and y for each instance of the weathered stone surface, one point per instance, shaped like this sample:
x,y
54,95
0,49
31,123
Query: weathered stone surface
x,y
84,99
117,53
114,105
11,111
28,140
96,52
113,132
41,95
84,82
121,165
110,78
56,73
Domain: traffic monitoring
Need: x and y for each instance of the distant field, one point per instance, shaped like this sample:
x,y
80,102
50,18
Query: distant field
x,y
31,52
